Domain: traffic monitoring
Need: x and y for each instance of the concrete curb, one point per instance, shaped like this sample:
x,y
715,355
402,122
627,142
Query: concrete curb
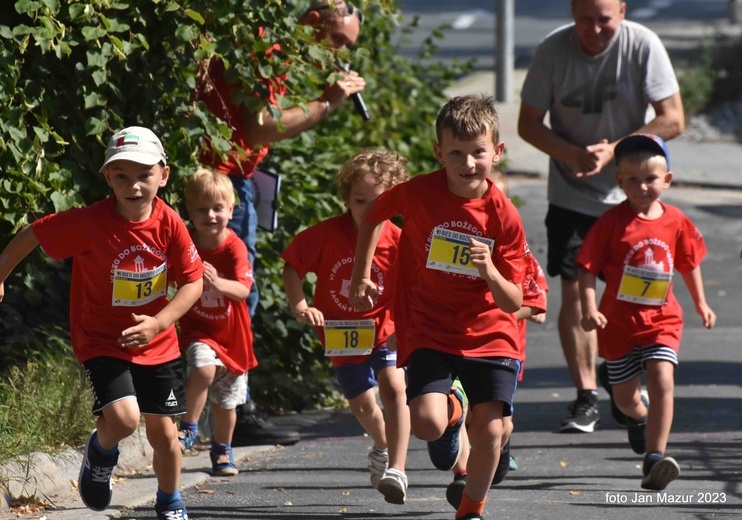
x,y
43,476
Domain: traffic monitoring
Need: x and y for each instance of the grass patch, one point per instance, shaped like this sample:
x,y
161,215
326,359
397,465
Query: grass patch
x,y
45,402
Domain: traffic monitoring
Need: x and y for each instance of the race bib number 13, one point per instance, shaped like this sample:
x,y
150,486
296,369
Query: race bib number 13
x,y
135,288
449,251
349,337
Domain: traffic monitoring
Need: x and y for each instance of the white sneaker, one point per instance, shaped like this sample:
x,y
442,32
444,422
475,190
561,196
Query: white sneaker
x,y
393,485
378,463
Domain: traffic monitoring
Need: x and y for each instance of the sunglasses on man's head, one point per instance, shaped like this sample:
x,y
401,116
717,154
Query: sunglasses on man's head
x,y
348,10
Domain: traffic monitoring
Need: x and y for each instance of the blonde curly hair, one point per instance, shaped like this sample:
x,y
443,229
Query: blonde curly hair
x,y
387,168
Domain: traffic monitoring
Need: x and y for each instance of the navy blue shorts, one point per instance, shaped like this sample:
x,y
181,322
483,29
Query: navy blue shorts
x,y
356,378
159,389
483,379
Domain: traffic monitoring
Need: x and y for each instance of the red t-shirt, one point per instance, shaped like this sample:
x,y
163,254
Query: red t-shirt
x,y
533,285
621,239
328,249
216,93
218,321
119,268
447,311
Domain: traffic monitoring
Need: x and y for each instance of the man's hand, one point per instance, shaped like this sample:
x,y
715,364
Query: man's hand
x,y
141,334
349,84
2,291
593,158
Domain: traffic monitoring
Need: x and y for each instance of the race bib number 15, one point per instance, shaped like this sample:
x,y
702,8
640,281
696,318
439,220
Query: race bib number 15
x,y
449,251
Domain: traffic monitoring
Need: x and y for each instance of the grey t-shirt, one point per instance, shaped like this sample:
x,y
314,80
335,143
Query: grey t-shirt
x,y
593,98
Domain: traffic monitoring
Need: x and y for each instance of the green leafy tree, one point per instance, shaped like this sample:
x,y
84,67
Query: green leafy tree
x,y
74,72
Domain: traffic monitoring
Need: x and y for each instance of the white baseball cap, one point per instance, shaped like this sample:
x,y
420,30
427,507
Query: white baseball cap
x,y
137,144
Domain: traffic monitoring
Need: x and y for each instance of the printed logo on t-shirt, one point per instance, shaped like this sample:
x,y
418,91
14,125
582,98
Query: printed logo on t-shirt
x,y
339,282
591,95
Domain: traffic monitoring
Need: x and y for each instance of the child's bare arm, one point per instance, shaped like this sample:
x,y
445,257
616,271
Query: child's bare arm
x,y
363,292
298,302
694,282
147,327
232,289
19,247
507,295
591,317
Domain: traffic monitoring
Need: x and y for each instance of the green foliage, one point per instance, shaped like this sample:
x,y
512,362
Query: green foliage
x,y
718,77
73,72
41,401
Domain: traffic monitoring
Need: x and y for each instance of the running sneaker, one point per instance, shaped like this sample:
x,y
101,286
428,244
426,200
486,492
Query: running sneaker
x,y
513,463
393,485
94,482
503,465
378,462
222,463
583,416
455,490
616,413
173,511
660,474
444,452
637,430
470,516
186,438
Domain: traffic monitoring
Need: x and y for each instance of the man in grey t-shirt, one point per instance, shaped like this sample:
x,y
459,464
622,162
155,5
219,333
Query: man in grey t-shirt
x,y
597,78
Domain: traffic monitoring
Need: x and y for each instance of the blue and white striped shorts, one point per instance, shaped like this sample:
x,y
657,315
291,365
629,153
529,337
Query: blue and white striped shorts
x,y
632,365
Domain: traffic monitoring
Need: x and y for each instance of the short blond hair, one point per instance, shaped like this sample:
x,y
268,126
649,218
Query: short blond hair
x,y
468,117
208,185
385,167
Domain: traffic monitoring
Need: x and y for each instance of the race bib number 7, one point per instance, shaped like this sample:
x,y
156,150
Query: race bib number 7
x,y
349,337
135,288
449,252
644,286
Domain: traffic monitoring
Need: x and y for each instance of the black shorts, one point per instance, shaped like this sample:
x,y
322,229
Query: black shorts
x,y
483,379
159,389
565,232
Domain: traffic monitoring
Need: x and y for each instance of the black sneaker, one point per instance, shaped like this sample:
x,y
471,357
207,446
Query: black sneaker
x,y
616,413
455,490
660,474
470,516
94,482
583,416
503,465
638,430
254,429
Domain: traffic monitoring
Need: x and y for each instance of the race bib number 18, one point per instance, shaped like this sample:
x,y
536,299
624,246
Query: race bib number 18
x,y
449,251
349,337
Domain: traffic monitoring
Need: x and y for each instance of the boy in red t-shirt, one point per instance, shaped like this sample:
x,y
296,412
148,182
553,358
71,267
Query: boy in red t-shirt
x,y
533,309
215,333
127,249
637,246
357,342
460,269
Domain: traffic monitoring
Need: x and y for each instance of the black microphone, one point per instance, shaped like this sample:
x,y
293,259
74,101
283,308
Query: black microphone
x,y
358,100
